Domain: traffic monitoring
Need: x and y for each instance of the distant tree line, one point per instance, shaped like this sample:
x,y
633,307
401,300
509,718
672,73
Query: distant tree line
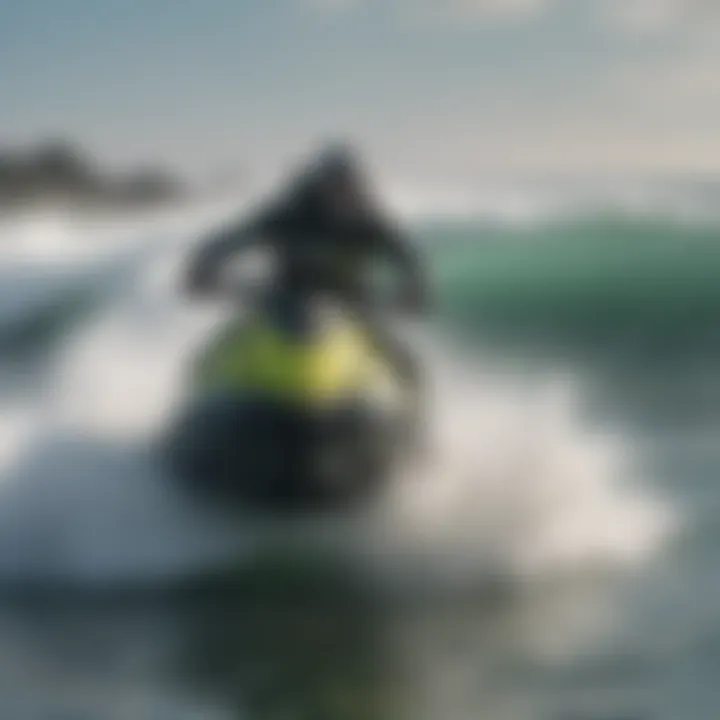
x,y
58,171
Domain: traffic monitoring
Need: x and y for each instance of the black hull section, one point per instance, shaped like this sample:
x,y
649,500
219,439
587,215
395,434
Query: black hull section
x,y
267,456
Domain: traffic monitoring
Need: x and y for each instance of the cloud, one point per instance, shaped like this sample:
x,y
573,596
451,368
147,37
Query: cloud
x,y
632,15
332,5
659,15
642,16
473,9
672,88
489,8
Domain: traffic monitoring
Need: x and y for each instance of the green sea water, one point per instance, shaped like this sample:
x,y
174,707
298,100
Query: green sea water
x,y
626,306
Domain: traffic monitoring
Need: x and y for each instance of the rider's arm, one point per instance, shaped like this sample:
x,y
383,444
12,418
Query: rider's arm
x,y
402,251
219,247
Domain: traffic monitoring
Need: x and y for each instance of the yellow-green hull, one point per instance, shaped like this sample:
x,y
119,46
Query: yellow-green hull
x,y
282,422
258,359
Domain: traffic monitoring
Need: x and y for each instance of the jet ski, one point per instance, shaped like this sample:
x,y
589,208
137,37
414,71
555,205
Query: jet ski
x,y
293,411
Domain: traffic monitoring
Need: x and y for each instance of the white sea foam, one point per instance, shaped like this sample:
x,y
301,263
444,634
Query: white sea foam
x,y
514,480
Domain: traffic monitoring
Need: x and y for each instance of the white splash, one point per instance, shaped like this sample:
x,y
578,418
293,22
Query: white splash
x,y
513,480
518,484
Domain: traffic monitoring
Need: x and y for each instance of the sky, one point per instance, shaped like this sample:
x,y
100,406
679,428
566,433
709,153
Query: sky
x,y
450,89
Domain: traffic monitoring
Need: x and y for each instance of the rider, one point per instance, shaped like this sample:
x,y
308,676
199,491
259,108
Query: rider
x,y
325,231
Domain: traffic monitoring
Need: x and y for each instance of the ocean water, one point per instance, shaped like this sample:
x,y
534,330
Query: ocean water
x,y
554,557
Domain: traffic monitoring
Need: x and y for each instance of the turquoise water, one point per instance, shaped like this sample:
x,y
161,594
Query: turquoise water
x,y
581,448
592,278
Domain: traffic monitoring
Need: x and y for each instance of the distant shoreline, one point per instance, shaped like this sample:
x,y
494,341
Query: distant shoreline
x,y
58,174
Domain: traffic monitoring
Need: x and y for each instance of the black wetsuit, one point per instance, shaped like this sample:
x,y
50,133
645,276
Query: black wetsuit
x,y
317,250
